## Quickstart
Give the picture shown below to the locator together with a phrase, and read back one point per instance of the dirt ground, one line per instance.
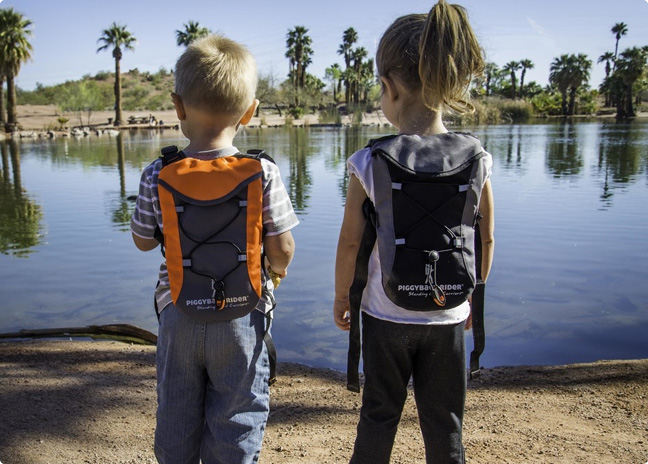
(94, 402)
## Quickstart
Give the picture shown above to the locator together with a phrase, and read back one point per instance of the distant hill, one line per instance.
(140, 91)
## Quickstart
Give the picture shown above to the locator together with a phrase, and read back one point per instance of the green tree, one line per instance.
(511, 67)
(524, 64)
(192, 31)
(619, 30)
(15, 49)
(349, 38)
(83, 98)
(299, 55)
(117, 37)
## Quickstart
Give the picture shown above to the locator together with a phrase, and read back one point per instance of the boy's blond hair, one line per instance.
(216, 74)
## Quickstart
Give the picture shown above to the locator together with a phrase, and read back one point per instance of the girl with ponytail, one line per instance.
(425, 63)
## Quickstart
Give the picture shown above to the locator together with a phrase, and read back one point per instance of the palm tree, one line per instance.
(569, 73)
(15, 49)
(559, 76)
(630, 67)
(619, 30)
(490, 72)
(334, 74)
(192, 31)
(525, 64)
(116, 36)
(358, 55)
(607, 58)
(511, 67)
(349, 38)
(299, 55)
(580, 68)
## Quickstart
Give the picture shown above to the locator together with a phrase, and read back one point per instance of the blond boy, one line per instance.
(213, 397)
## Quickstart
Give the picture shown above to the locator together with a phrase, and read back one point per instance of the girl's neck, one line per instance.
(421, 122)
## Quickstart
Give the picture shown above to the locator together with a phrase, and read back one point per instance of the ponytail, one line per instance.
(450, 56)
(436, 54)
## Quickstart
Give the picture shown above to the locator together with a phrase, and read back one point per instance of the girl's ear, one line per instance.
(179, 106)
(389, 88)
(249, 113)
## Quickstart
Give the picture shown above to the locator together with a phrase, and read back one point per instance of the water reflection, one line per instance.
(122, 208)
(564, 159)
(20, 216)
(621, 158)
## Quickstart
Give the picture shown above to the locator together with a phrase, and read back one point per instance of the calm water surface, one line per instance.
(568, 282)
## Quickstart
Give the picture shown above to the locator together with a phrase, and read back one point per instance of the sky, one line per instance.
(65, 32)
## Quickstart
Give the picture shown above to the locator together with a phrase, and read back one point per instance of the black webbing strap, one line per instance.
(355, 297)
(272, 350)
(478, 296)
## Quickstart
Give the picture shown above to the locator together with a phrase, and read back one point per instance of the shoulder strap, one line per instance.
(259, 154)
(171, 154)
(355, 296)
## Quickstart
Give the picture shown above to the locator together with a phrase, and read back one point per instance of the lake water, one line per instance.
(569, 280)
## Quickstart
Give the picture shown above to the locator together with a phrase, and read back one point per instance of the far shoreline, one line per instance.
(38, 121)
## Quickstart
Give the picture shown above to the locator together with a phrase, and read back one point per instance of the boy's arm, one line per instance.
(351, 231)
(144, 244)
(487, 228)
(279, 250)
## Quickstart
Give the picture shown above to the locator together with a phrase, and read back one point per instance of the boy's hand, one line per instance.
(341, 313)
(276, 276)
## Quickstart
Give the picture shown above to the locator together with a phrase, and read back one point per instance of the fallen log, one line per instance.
(119, 332)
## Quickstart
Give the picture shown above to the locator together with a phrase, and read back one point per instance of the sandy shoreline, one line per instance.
(39, 119)
(94, 402)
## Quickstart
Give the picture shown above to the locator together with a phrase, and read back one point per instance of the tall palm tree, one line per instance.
(349, 38)
(15, 49)
(511, 67)
(619, 30)
(192, 31)
(116, 37)
(524, 64)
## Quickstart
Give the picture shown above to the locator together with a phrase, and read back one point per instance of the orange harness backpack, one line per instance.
(213, 232)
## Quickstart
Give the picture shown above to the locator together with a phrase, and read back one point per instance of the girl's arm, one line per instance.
(487, 228)
(348, 243)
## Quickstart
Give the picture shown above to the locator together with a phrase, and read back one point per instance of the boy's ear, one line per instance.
(389, 88)
(179, 106)
(250, 112)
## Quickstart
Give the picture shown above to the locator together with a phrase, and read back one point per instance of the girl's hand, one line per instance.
(341, 313)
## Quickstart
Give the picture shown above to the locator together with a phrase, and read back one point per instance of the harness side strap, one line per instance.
(479, 334)
(272, 350)
(477, 308)
(355, 298)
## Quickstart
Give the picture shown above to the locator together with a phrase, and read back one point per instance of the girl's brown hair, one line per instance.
(436, 54)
